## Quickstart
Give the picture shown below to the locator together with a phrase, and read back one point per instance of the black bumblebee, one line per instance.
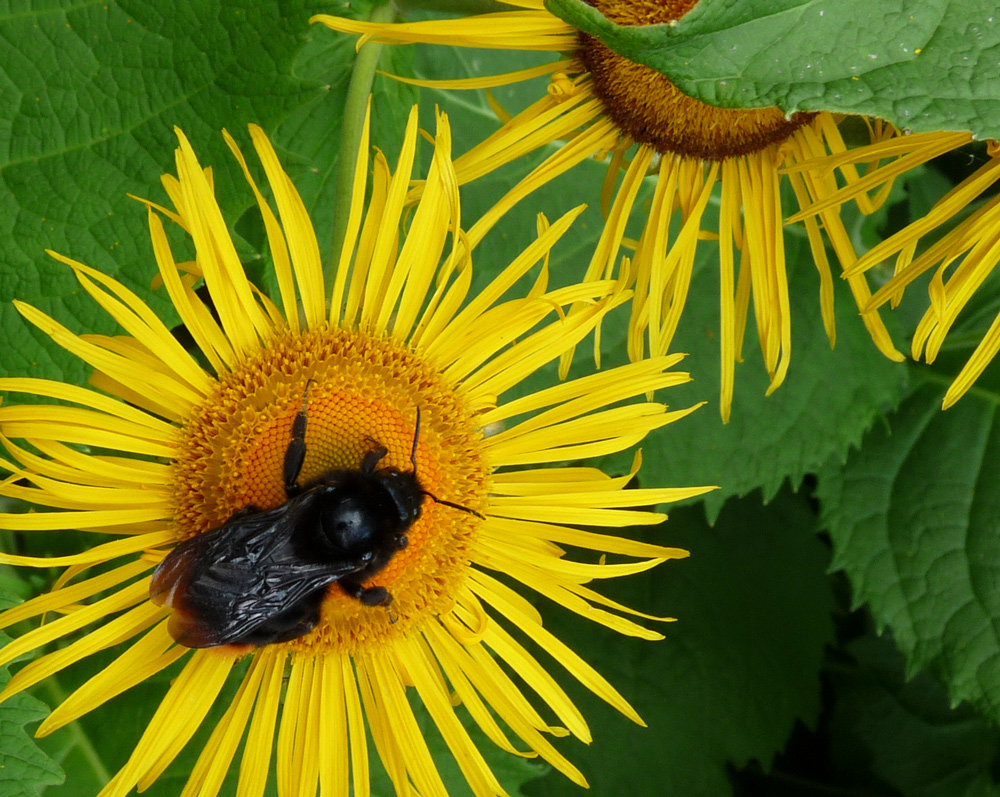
(261, 576)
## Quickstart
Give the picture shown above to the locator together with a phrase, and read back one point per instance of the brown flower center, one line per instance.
(362, 390)
(651, 110)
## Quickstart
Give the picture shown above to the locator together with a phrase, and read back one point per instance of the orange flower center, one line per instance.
(364, 392)
(646, 106)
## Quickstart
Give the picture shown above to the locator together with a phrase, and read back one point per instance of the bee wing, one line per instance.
(226, 584)
(240, 612)
(251, 537)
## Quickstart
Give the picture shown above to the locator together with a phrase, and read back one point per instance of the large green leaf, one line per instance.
(93, 92)
(924, 66)
(914, 519)
(915, 514)
(735, 672)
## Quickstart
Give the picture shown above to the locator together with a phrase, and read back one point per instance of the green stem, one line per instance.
(81, 741)
(355, 107)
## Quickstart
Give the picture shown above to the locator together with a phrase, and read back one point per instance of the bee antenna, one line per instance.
(434, 498)
(441, 501)
(416, 438)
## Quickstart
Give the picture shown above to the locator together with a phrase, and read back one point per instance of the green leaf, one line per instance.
(24, 768)
(913, 516)
(905, 732)
(925, 66)
(732, 676)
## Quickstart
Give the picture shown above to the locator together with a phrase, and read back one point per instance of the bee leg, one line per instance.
(296, 621)
(369, 596)
(372, 458)
(295, 454)
(375, 596)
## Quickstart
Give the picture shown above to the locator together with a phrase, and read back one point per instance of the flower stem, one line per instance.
(355, 108)
(77, 736)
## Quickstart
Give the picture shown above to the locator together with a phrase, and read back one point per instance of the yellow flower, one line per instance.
(599, 102)
(170, 445)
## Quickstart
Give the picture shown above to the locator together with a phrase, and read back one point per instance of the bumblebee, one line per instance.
(262, 575)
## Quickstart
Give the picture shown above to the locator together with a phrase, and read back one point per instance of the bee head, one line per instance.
(405, 492)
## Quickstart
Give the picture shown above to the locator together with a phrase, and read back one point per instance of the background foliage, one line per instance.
(838, 628)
